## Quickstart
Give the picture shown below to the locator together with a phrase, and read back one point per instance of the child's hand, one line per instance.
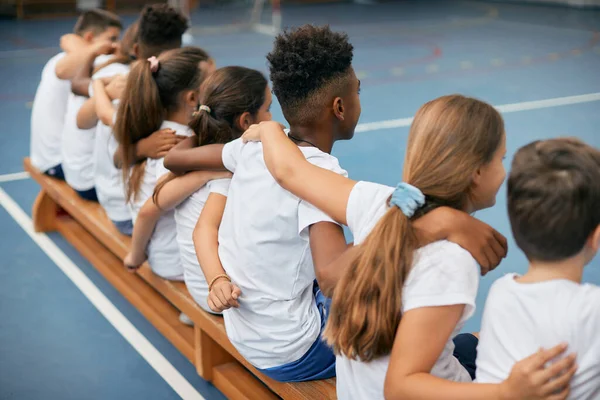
(133, 261)
(223, 296)
(104, 47)
(484, 243)
(254, 132)
(529, 378)
(158, 144)
(116, 86)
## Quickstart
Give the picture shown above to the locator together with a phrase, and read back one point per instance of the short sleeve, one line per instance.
(366, 205)
(220, 186)
(231, 154)
(309, 214)
(443, 274)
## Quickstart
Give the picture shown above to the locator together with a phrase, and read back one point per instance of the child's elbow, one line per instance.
(169, 163)
(283, 175)
(326, 283)
(149, 211)
(393, 388)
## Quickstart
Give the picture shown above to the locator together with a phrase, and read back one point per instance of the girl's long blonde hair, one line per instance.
(450, 138)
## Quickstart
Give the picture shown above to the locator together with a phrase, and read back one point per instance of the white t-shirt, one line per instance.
(443, 274)
(262, 251)
(163, 251)
(519, 318)
(186, 217)
(78, 144)
(108, 180)
(48, 116)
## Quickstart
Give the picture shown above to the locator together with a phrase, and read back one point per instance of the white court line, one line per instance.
(17, 176)
(506, 108)
(28, 52)
(138, 341)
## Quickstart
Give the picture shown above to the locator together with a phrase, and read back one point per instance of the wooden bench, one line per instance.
(85, 225)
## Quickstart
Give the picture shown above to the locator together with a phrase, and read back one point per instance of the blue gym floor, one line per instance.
(55, 344)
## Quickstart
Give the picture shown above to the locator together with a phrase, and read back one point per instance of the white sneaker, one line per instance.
(184, 319)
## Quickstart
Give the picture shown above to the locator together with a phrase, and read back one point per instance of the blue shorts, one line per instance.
(125, 227)
(465, 351)
(56, 172)
(319, 360)
(89, 194)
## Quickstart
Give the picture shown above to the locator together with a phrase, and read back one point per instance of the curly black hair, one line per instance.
(305, 60)
(161, 26)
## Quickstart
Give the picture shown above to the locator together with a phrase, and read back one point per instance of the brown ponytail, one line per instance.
(228, 93)
(449, 139)
(148, 96)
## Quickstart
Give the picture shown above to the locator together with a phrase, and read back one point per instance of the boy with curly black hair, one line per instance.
(161, 28)
(268, 238)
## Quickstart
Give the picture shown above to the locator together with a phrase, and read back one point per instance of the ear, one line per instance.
(245, 120)
(136, 50)
(88, 36)
(594, 239)
(191, 99)
(338, 108)
(477, 176)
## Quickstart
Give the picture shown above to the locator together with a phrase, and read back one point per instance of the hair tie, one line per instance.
(204, 108)
(407, 198)
(153, 64)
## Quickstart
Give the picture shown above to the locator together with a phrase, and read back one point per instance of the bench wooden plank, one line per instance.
(238, 384)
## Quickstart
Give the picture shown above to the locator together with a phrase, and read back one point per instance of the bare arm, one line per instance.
(142, 232)
(330, 192)
(224, 294)
(187, 157)
(322, 188)
(72, 42)
(177, 190)
(105, 110)
(327, 245)
(408, 374)
(154, 146)
(86, 117)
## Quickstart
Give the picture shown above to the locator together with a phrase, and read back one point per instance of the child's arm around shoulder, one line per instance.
(186, 156)
(325, 189)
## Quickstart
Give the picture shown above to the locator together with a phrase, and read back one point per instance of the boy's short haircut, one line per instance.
(309, 65)
(96, 21)
(161, 28)
(554, 197)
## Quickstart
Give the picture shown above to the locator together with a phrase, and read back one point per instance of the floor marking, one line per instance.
(553, 56)
(527, 60)
(397, 71)
(497, 62)
(432, 68)
(17, 176)
(135, 338)
(506, 108)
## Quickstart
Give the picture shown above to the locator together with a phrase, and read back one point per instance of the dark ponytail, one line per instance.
(148, 96)
(228, 93)
(224, 96)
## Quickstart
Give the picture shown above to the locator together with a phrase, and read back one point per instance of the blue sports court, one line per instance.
(66, 333)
